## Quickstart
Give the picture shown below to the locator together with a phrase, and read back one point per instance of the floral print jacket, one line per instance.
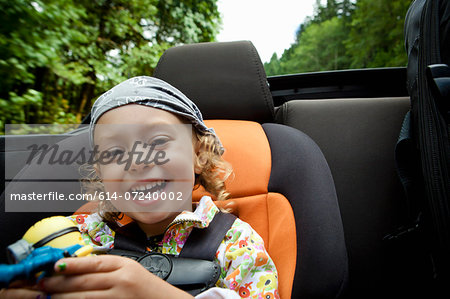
(247, 269)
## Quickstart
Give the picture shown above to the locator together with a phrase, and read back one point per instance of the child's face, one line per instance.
(147, 166)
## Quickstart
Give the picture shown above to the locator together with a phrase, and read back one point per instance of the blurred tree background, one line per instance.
(344, 34)
(57, 56)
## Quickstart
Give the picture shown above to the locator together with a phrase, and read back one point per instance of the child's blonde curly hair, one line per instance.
(208, 158)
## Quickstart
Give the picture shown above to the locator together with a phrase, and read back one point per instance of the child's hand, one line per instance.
(21, 289)
(106, 276)
(12, 293)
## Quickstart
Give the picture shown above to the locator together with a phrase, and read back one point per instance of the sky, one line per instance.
(270, 25)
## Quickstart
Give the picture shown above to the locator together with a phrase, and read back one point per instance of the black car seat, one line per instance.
(279, 171)
(358, 138)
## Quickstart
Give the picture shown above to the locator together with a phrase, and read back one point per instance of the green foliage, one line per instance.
(320, 48)
(343, 34)
(331, 9)
(376, 36)
(57, 56)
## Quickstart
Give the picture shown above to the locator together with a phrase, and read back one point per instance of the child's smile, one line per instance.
(148, 186)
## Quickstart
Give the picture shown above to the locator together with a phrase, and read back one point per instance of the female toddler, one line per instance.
(153, 149)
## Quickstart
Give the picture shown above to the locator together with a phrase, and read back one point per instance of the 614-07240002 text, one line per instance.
(136, 195)
(56, 196)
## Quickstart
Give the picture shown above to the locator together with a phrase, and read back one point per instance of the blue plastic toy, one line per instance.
(40, 259)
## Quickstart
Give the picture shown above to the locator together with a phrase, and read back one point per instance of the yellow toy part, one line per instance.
(60, 231)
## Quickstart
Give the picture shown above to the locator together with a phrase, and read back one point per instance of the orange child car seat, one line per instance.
(282, 184)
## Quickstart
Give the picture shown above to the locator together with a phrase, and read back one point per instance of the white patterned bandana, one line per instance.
(153, 92)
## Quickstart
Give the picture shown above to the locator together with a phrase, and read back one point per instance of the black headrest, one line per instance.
(226, 80)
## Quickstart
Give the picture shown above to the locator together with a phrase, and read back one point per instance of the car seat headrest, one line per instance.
(248, 151)
(226, 80)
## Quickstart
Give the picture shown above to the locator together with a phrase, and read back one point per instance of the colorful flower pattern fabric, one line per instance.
(94, 231)
(246, 267)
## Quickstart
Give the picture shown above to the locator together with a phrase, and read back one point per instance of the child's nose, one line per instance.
(138, 166)
(140, 159)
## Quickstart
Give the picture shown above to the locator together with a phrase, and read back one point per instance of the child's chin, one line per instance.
(152, 217)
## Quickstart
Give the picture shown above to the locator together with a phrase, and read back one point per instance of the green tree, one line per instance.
(273, 67)
(28, 50)
(343, 34)
(325, 12)
(56, 56)
(376, 36)
(319, 41)
(319, 48)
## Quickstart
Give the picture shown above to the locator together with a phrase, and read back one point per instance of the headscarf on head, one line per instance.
(152, 92)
